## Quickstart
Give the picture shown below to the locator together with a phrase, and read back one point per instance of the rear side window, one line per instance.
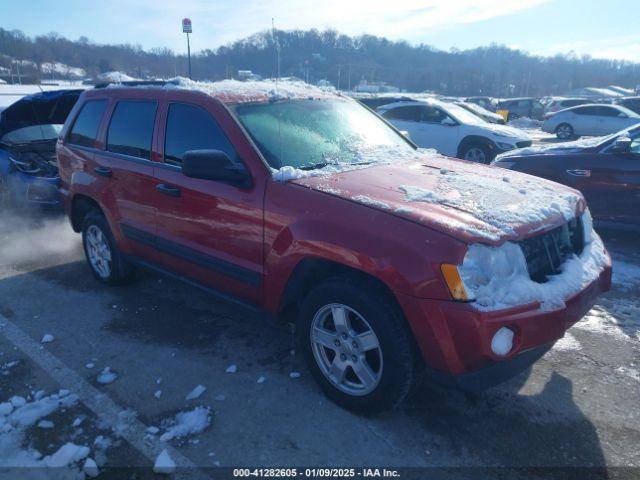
(131, 128)
(85, 128)
(193, 128)
(408, 113)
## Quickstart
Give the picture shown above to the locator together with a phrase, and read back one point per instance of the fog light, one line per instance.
(502, 341)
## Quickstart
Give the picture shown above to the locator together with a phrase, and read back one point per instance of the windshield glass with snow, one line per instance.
(464, 116)
(310, 134)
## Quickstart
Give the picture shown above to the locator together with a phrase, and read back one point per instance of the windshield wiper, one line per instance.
(313, 166)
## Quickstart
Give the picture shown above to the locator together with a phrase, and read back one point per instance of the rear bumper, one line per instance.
(455, 338)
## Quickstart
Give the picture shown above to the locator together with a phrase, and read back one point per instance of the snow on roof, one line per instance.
(235, 91)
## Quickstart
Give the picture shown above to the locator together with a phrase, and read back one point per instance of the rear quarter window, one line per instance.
(131, 128)
(85, 127)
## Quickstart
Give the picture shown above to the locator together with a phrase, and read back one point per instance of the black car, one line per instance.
(632, 103)
(605, 169)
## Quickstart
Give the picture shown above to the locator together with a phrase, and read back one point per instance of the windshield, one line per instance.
(33, 133)
(462, 115)
(630, 113)
(310, 134)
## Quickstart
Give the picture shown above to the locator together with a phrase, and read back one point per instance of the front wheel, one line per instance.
(564, 131)
(476, 152)
(357, 345)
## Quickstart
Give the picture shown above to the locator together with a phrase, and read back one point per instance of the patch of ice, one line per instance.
(89, 365)
(220, 398)
(187, 423)
(45, 424)
(67, 454)
(47, 338)
(107, 376)
(261, 379)
(157, 394)
(152, 430)
(164, 464)
(90, 468)
(371, 202)
(232, 369)
(567, 343)
(77, 422)
(196, 392)
(294, 375)
(625, 275)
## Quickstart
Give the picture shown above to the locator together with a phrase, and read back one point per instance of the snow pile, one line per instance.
(187, 423)
(555, 148)
(371, 202)
(164, 464)
(107, 376)
(497, 277)
(525, 122)
(115, 77)
(196, 392)
(17, 415)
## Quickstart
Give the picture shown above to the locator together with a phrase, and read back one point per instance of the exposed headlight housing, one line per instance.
(587, 226)
(483, 264)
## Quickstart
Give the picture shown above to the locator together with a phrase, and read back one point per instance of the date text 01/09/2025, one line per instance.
(316, 472)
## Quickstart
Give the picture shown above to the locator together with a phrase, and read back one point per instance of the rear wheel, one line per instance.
(476, 152)
(357, 345)
(106, 262)
(564, 131)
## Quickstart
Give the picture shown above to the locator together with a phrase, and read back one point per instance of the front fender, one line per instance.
(403, 255)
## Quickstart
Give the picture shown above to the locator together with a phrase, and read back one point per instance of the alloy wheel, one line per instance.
(98, 251)
(475, 154)
(346, 349)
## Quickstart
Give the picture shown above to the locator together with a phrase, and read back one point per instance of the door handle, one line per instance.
(579, 173)
(103, 171)
(168, 190)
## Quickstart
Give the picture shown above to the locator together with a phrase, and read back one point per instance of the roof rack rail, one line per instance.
(136, 83)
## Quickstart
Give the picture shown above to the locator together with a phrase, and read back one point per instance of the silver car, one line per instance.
(589, 120)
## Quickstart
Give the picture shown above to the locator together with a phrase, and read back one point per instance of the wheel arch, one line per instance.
(81, 205)
(471, 139)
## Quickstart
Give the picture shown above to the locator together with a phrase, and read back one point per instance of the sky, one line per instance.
(600, 28)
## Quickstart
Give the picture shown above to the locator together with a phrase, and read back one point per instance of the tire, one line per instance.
(476, 152)
(564, 131)
(102, 253)
(389, 369)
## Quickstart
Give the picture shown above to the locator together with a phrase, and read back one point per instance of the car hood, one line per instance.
(505, 131)
(46, 108)
(586, 145)
(471, 202)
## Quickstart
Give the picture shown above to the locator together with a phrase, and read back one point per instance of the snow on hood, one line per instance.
(467, 200)
(505, 131)
(555, 148)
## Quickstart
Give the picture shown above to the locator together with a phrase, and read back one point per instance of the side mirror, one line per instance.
(449, 122)
(214, 165)
(621, 144)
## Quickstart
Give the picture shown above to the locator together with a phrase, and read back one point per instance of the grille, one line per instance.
(546, 253)
(523, 144)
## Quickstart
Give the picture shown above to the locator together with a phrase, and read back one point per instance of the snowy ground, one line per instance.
(159, 374)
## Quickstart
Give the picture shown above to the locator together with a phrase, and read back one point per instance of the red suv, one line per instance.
(391, 261)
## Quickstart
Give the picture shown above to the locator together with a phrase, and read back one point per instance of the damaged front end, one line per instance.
(29, 175)
(28, 132)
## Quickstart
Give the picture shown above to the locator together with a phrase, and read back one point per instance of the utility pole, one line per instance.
(187, 28)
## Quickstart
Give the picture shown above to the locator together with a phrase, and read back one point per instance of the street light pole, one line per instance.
(189, 55)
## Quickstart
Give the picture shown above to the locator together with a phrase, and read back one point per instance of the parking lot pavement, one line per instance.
(578, 406)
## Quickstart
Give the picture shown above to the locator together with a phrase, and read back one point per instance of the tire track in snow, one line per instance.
(98, 402)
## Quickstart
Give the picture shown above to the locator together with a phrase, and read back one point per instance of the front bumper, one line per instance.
(32, 191)
(455, 338)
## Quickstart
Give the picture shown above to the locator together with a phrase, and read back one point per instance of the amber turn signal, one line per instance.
(454, 282)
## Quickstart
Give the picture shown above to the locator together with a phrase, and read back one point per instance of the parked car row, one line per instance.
(391, 262)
